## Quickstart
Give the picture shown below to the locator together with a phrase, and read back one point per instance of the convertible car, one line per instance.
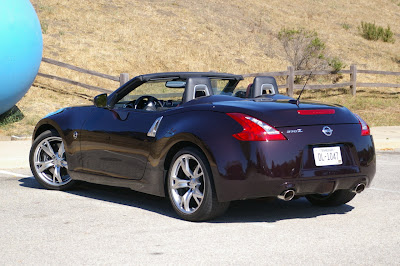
(203, 140)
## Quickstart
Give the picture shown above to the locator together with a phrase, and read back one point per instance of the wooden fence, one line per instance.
(353, 84)
(289, 74)
(122, 79)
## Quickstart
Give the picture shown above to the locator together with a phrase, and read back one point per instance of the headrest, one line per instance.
(263, 85)
(197, 87)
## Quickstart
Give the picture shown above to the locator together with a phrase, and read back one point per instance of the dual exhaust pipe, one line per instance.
(359, 188)
(287, 195)
(290, 193)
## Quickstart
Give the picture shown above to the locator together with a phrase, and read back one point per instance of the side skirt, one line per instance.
(152, 183)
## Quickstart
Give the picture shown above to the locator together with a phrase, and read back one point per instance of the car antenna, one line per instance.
(298, 98)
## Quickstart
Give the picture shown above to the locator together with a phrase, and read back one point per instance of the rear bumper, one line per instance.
(266, 169)
(329, 185)
(248, 190)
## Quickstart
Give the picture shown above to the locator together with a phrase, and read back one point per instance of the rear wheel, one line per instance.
(48, 161)
(190, 187)
(336, 198)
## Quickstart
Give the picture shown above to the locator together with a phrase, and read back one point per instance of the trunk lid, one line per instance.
(283, 113)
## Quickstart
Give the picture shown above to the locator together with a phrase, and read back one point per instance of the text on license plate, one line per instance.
(327, 156)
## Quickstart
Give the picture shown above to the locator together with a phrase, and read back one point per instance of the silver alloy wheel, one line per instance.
(50, 162)
(187, 183)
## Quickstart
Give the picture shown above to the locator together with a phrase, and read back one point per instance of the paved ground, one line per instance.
(386, 138)
(100, 225)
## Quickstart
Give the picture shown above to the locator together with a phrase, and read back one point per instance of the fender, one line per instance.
(66, 121)
(188, 129)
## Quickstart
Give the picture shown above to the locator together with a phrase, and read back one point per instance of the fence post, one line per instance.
(290, 81)
(123, 78)
(353, 79)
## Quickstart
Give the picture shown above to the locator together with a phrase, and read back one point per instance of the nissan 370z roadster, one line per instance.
(203, 141)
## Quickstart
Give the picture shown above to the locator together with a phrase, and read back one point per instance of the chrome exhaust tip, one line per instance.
(287, 195)
(359, 188)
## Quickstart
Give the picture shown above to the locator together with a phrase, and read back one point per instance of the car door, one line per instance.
(114, 142)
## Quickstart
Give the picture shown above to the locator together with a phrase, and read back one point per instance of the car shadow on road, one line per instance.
(247, 211)
(273, 210)
(118, 195)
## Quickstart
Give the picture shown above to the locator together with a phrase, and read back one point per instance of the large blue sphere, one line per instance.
(21, 47)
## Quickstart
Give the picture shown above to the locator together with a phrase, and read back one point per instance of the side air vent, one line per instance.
(153, 129)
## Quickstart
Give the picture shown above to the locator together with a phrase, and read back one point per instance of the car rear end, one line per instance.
(304, 150)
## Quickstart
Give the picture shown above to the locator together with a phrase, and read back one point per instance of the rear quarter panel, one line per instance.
(210, 131)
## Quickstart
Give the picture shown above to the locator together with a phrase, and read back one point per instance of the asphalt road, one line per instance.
(100, 225)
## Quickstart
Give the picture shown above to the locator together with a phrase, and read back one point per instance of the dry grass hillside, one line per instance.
(138, 36)
(114, 36)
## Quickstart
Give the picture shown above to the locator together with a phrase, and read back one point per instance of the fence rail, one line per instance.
(353, 84)
(122, 79)
(290, 75)
(82, 70)
(90, 87)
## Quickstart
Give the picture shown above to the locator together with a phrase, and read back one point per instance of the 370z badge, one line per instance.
(299, 130)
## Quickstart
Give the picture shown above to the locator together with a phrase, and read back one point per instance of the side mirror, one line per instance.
(100, 100)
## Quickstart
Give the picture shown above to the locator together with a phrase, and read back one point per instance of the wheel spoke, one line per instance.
(186, 200)
(56, 175)
(44, 165)
(179, 183)
(64, 164)
(185, 167)
(46, 147)
(197, 196)
(196, 200)
(197, 172)
(197, 193)
(61, 150)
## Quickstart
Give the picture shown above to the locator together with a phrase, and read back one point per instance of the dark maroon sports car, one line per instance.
(203, 140)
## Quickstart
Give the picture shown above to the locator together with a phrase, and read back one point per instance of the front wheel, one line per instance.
(190, 189)
(48, 161)
(336, 198)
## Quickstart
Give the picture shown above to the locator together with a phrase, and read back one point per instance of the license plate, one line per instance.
(327, 156)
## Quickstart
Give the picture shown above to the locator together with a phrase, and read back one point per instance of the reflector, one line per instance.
(316, 112)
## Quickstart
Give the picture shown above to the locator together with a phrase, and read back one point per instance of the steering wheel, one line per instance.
(148, 103)
(130, 104)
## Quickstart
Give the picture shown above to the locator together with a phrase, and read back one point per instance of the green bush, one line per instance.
(336, 64)
(11, 116)
(387, 35)
(44, 25)
(372, 32)
(346, 26)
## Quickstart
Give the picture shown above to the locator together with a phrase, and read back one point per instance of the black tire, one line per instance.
(49, 164)
(336, 198)
(192, 193)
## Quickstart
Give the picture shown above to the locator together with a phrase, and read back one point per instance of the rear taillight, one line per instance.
(364, 127)
(254, 129)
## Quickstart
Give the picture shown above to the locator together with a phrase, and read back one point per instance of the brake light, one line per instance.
(254, 129)
(364, 126)
(316, 112)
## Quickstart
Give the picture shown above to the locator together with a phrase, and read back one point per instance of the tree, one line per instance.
(303, 48)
